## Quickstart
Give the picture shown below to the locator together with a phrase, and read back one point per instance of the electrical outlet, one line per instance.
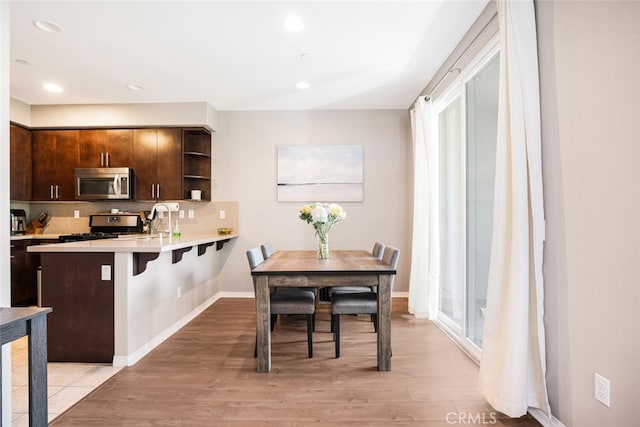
(76, 213)
(603, 390)
(192, 214)
(179, 292)
(105, 272)
(223, 214)
(181, 214)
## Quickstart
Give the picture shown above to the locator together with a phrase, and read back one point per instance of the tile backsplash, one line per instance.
(206, 214)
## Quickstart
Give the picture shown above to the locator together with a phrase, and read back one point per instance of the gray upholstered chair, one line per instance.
(293, 302)
(359, 303)
(378, 250)
(267, 251)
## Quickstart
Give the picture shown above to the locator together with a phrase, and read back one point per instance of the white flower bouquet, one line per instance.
(322, 216)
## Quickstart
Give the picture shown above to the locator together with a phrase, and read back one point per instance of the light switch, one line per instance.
(223, 214)
(106, 272)
(181, 214)
(192, 214)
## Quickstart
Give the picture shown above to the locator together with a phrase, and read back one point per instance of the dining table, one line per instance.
(302, 268)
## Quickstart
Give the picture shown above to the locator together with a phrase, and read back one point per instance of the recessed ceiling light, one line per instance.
(52, 87)
(22, 61)
(303, 85)
(48, 26)
(134, 86)
(293, 24)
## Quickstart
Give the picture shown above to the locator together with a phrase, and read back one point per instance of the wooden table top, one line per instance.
(9, 315)
(305, 262)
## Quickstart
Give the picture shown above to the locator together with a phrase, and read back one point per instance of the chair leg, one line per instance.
(310, 335)
(313, 318)
(374, 318)
(274, 317)
(334, 338)
(336, 333)
(255, 347)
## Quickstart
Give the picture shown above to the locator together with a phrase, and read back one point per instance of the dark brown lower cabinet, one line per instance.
(23, 275)
(80, 328)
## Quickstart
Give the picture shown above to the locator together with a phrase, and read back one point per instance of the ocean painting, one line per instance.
(320, 173)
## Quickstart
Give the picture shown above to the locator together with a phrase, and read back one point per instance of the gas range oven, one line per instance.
(108, 226)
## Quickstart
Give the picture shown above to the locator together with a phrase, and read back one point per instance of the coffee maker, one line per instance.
(18, 221)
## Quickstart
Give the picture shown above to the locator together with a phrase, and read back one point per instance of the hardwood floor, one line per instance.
(205, 375)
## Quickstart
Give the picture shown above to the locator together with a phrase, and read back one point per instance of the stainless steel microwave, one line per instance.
(104, 183)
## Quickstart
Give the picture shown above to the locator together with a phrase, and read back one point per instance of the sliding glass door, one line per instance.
(482, 119)
(466, 126)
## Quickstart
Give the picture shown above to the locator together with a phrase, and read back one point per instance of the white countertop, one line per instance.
(133, 243)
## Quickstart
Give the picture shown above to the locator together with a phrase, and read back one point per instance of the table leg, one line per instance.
(384, 322)
(263, 314)
(38, 371)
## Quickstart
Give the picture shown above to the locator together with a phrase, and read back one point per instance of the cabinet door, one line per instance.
(144, 163)
(20, 163)
(120, 148)
(82, 328)
(55, 157)
(169, 171)
(43, 153)
(67, 146)
(92, 148)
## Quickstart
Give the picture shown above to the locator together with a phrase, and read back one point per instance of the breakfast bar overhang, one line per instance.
(148, 287)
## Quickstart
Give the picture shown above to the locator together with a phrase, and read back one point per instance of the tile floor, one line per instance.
(67, 383)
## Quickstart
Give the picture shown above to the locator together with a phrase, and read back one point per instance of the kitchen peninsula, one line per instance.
(114, 300)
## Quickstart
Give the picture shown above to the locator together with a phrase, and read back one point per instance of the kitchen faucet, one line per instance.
(166, 206)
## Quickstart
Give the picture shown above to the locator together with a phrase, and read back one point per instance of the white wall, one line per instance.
(244, 169)
(590, 86)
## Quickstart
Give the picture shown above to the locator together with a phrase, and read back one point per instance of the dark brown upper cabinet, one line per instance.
(157, 164)
(55, 156)
(20, 163)
(106, 148)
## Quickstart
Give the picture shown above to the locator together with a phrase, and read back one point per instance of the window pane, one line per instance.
(482, 120)
(451, 213)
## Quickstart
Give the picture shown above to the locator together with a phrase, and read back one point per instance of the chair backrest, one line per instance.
(378, 250)
(390, 256)
(267, 250)
(255, 258)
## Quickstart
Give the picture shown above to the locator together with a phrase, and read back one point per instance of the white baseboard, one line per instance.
(544, 419)
(233, 294)
(133, 358)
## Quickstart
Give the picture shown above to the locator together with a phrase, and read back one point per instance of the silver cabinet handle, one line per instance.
(108, 159)
(101, 159)
(51, 191)
(158, 195)
(57, 192)
(12, 256)
(153, 191)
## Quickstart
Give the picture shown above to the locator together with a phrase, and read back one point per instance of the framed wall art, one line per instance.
(320, 173)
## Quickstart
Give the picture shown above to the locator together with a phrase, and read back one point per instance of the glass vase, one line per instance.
(323, 246)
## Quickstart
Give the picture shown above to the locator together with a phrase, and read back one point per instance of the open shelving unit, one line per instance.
(196, 167)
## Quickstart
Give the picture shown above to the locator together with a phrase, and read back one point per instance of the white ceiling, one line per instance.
(235, 54)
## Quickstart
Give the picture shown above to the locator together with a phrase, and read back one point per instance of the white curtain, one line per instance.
(425, 248)
(512, 369)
